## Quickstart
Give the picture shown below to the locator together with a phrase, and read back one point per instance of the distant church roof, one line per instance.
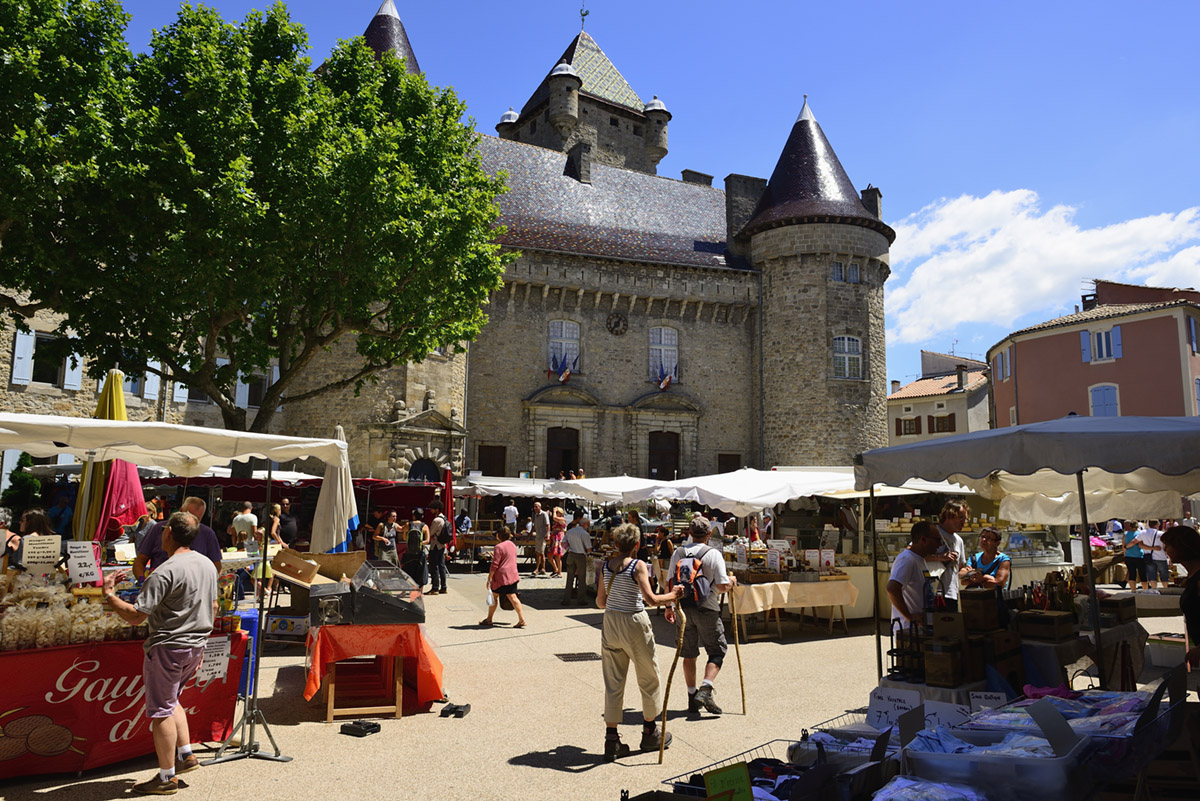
(621, 214)
(600, 78)
(386, 32)
(810, 185)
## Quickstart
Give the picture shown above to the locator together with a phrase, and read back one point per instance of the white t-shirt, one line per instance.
(909, 570)
(510, 515)
(712, 565)
(1153, 536)
(244, 524)
(578, 540)
(949, 578)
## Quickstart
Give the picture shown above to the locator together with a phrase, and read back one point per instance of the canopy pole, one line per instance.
(1093, 601)
(78, 531)
(874, 580)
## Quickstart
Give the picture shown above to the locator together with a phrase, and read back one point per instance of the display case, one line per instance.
(383, 593)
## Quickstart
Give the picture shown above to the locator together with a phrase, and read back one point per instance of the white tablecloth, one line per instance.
(751, 598)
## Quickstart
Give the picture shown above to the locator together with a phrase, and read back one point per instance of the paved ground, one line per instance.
(535, 729)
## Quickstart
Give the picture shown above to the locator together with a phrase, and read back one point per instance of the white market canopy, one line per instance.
(1135, 467)
(182, 450)
(513, 487)
(610, 489)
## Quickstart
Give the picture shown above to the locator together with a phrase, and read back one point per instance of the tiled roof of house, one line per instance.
(810, 185)
(386, 32)
(600, 77)
(621, 214)
(939, 385)
(1099, 313)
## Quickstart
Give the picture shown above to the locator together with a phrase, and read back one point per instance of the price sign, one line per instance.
(215, 663)
(740, 551)
(41, 553)
(773, 560)
(82, 563)
(782, 545)
(939, 713)
(887, 705)
(827, 558)
(813, 557)
(732, 782)
(916, 512)
(908, 515)
(983, 700)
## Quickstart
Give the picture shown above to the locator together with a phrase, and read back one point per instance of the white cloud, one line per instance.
(995, 259)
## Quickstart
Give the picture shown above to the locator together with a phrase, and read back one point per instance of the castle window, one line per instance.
(533, 127)
(847, 357)
(839, 274)
(852, 275)
(564, 346)
(637, 130)
(664, 353)
(613, 122)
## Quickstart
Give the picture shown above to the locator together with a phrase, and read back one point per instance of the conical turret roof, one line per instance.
(600, 77)
(810, 185)
(386, 32)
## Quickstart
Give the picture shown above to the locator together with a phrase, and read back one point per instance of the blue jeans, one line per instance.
(437, 568)
(1157, 569)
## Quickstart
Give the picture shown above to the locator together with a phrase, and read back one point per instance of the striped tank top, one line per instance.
(625, 595)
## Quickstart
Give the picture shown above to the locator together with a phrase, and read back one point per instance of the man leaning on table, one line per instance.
(906, 584)
(152, 553)
(177, 603)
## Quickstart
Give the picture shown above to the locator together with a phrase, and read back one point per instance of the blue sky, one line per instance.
(1022, 148)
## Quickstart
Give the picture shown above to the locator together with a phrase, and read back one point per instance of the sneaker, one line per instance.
(650, 739)
(156, 786)
(187, 765)
(704, 698)
(614, 749)
(693, 705)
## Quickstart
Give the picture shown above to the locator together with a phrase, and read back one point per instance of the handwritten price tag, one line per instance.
(984, 700)
(41, 553)
(215, 663)
(887, 705)
(82, 563)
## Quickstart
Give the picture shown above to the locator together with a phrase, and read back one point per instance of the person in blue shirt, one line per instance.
(988, 568)
(60, 516)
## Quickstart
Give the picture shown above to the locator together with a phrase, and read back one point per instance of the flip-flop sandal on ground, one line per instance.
(486, 623)
(519, 626)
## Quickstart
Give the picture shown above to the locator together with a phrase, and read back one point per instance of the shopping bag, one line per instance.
(491, 599)
(506, 602)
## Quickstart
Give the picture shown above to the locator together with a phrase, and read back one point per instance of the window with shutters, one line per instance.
(910, 426)
(1002, 365)
(1012, 415)
(256, 390)
(1104, 400)
(852, 274)
(133, 385)
(664, 353)
(1100, 345)
(943, 424)
(47, 368)
(197, 395)
(847, 357)
(564, 346)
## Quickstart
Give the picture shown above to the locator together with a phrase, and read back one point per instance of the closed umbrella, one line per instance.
(448, 511)
(336, 517)
(90, 521)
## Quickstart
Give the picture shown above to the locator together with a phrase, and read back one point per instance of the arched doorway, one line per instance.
(562, 451)
(425, 470)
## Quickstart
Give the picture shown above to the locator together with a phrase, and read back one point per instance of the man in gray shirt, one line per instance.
(541, 534)
(177, 603)
(579, 547)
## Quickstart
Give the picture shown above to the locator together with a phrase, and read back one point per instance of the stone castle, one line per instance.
(652, 327)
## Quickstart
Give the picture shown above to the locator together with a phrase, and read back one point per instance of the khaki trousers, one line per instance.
(628, 637)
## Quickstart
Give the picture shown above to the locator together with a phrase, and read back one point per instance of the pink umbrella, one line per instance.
(123, 503)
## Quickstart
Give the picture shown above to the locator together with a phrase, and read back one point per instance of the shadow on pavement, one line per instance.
(565, 758)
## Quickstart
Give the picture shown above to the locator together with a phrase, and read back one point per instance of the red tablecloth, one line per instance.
(422, 668)
(77, 707)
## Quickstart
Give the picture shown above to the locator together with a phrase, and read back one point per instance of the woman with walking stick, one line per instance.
(628, 636)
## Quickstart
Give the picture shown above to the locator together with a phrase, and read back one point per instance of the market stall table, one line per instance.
(413, 662)
(83, 706)
(772, 596)
(1124, 648)
(950, 695)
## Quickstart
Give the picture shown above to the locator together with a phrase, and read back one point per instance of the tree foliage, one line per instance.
(258, 211)
(24, 490)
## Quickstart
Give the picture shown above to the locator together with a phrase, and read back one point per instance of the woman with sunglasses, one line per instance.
(989, 569)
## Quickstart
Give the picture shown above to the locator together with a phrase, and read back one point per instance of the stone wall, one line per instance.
(612, 399)
(621, 145)
(809, 416)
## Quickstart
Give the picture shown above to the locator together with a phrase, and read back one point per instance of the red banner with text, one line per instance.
(77, 707)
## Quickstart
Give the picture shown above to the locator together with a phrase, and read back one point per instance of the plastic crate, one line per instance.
(775, 749)
(1006, 777)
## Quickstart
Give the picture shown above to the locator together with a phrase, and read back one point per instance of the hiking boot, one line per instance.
(156, 786)
(614, 749)
(704, 698)
(693, 705)
(650, 739)
(187, 765)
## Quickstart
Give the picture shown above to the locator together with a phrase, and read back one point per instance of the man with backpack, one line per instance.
(700, 570)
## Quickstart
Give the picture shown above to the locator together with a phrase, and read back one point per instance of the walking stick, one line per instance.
(662, 737)
(737, 648)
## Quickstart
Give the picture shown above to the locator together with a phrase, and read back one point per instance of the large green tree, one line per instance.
(259, 211)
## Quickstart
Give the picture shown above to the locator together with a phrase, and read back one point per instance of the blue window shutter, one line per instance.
(151, 384)
(241, 394)
(1192, 333)
(1085, 344)
(22, 370)
(1198, 396)
(1008, 361)
(180, 393)
(73, 376)
(1116, 341)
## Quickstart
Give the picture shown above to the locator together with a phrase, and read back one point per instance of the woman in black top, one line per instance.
(1182, 545)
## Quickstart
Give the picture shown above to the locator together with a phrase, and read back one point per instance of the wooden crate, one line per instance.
(1036, 624)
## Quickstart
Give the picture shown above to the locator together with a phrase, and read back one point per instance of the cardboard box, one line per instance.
(1036, 624)
(328, 567)
(292, 567)
(949, 626)
(944, 664)
(287, 625)
(1123, 607)
(1000, 644)
(980, 609)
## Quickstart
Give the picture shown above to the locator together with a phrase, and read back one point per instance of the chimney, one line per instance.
(962, 376)
(579, 162)
(895, 386)
(872, 200)
(742, 193)
(693, 177)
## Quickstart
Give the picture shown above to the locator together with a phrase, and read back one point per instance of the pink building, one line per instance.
(1131, 350)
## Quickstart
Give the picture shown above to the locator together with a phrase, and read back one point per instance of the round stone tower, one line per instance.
(823, 254)
(657, 118)
(564, 85)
